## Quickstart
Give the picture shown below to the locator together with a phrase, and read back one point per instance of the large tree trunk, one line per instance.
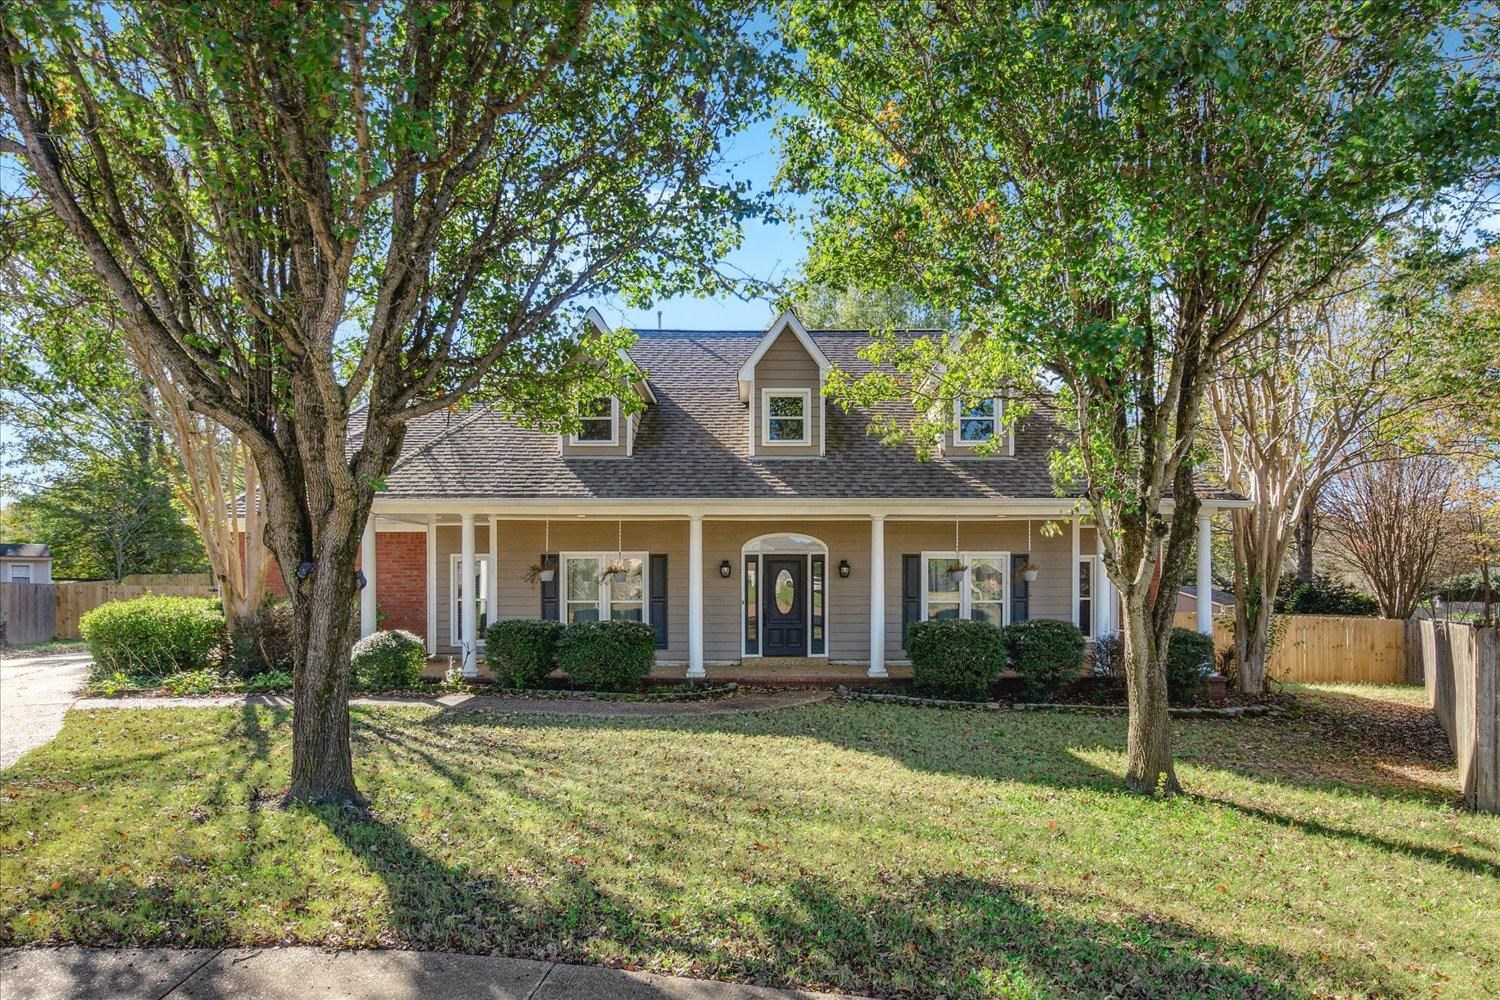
(1148, 741)
(323, 609)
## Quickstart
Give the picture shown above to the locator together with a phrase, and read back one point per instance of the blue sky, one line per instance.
(770, 253)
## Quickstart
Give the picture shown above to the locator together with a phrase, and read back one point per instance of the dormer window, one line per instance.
(786, 416)
(978, 421)
(598, 421)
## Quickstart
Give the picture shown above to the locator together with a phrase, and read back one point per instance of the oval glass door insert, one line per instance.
(785, 591)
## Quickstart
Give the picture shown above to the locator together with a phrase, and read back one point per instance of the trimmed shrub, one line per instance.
(154, 636)
(263, 643)
(613, 655)
(955, 658)
(523, 651)
(388, 661)
(1048, 654)
(1187, 653)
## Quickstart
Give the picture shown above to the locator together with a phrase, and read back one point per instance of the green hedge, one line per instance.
(613, 655)
(388, 661)
(153, 636)
(264, 642)
(955, 658)
(523, 651)
(1187, 651)
(1048, 654)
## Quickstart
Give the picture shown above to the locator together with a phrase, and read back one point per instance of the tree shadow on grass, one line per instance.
(934, 936)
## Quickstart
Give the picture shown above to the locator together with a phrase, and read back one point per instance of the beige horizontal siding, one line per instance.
(787, 365)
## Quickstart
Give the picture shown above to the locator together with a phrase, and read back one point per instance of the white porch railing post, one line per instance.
(695, 595)
(492, 573)
(467, 602)
(367, 566)
(877, 596)
(1205, 573)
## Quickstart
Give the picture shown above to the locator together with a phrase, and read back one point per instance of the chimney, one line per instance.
(658, 319)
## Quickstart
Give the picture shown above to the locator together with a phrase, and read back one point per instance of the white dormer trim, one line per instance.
(786, 321)
(641, 386)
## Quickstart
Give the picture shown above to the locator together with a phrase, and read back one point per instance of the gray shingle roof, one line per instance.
(24, 550)
(694, 443)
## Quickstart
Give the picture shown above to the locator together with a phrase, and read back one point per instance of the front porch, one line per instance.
(748, 596)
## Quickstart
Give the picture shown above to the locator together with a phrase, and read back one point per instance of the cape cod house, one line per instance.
(738, 511)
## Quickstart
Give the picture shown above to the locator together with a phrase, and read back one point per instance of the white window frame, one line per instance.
(766, 395)
(481, 569)
(1092, 631)
(606, 585)
(614, 429)
(965, 595)
(18, 567)
(1009, 443)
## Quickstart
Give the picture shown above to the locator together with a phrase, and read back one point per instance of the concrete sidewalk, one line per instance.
(249, 973)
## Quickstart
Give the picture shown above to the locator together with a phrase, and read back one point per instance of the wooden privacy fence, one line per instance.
(75, 599)
(1330, 648)
(1461, 666)
(28, 613)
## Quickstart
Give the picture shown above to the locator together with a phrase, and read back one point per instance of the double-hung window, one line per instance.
(787, 416)
(965, 585)
(977, 422)
(598, 421)
(1086, 566)
(481, 592)
(20, 573)
(601, 585)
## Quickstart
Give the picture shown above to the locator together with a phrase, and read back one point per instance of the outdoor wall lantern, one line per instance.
(843, 569)
(724, 569)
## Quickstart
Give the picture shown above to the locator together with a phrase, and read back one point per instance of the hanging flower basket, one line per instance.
(616, 570)
(956, 571)
(1029, 572)
(544, 571)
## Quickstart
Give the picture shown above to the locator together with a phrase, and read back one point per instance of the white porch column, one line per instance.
(431, 584)
(367, 566)
(695, 595)
(1073, 566)
(1106, 597)
(468, 634)
(1205, 573)
(492, 575)
(877, 596)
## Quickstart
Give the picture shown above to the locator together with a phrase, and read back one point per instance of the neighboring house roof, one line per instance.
(1217, 596)
(694, 443)
(24, 550)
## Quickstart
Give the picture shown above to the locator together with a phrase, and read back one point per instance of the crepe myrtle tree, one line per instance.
(1114, 194)
(322, 221)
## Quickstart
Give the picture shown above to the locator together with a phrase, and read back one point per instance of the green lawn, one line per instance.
(854, 847)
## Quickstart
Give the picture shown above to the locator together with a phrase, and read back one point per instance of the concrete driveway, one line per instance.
(35, 693)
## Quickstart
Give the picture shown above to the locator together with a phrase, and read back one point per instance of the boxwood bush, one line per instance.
(955, 658)
(1187, 652)
(1048, 654)
(523, 651)
(388, 661)
(154, 636)
(612, 655)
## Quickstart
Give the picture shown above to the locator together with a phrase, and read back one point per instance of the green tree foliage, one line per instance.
(1116, 194)
(307, 209)
(824, 307)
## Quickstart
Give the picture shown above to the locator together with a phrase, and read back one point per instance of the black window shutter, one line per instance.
(1020, 590)
(911, 592)
(549, 587)
(658, 576)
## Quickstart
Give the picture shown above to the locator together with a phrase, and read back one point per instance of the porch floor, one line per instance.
(785, 671)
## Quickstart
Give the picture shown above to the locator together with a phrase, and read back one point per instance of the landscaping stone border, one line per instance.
(1181, 712)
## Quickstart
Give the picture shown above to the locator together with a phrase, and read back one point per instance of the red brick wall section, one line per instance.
(400, 580)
